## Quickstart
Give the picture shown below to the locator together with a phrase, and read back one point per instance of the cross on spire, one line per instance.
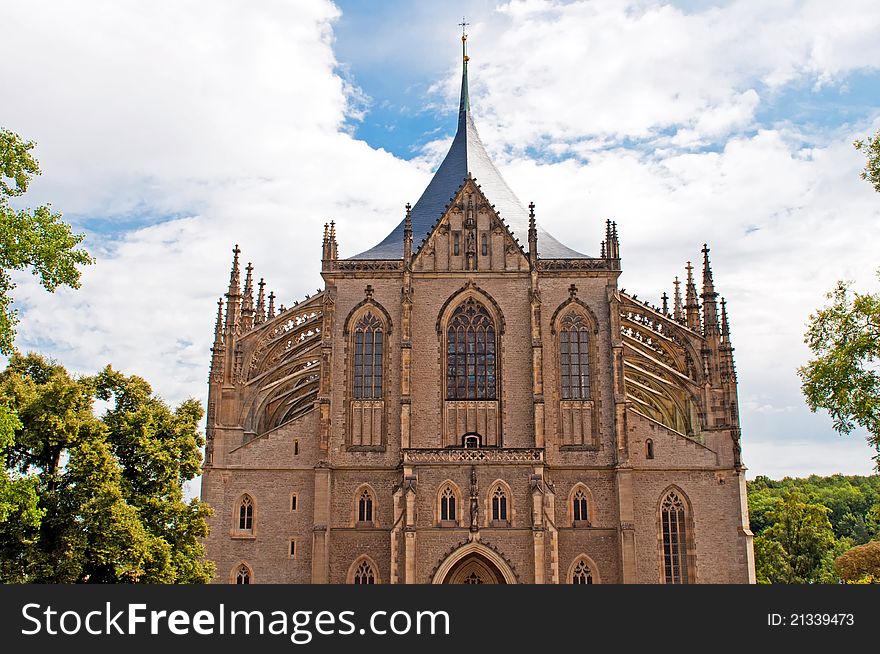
(463, 24)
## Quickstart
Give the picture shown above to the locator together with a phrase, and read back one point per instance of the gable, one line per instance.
(470, 235)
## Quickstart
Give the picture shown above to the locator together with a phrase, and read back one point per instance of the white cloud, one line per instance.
(231, 117)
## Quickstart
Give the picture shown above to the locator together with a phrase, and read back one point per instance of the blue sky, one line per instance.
(731, 123)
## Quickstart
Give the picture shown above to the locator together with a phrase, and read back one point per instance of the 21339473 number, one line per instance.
(810, 619)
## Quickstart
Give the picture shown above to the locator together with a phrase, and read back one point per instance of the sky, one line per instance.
(167, 132)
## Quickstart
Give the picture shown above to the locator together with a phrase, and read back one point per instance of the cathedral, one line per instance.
(473, 402)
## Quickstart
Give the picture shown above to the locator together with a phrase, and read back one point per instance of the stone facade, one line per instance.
(474, 412)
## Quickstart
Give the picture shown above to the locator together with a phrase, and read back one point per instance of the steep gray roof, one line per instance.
(467, 155)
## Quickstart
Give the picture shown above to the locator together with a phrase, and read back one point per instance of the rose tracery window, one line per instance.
(368, 348)
(470, 353)
(582, 574)
(364, 574)
(574, 361)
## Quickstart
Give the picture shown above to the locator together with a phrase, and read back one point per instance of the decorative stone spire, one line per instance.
(407, 237)
(692, 304)
(247, 303)
(676, 310)
(533, 238)
(728, 368)
(218, 326)
(610, 246)
(271, 305)
(665, 300)
(725, 328)
(710, 309)
(233, 295)
(260, 316)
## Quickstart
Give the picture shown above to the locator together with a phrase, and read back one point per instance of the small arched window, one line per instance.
(243, 575)
(499, 505)
(582, 573)
(246, 514)
(365, 506)
(364, 574)
(674, 535)
(293, 502)
(484, 245)
(574, 357)
(470, 353)
(580, 507)
(649, 449)
(471, 441)
(368, 348)
(447, 505)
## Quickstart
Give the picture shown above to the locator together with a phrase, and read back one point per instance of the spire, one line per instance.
(692, 304)
(725, 328)
(467, 156)
(271, 305)
(533, 237)
(610, 246)
(464, 104)
(665, 300)
(710, 310)
(407, 237)
(728, 368)
(233, 295)
(247, 304)
(676, 311)
(260, 316)
(218, 326)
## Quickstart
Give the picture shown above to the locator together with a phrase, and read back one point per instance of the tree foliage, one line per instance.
(109, 488)
(860, 565)
(844, 376)
(871, 149)
(30, 239)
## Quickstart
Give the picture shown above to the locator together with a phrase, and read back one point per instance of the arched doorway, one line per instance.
(474, 569)
(474, 563)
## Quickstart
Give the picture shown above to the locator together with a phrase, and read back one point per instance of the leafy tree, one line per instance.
(30, 239)
(110, 487)
(861, 564)
(798, 546)
(871, 149)
(844, 378)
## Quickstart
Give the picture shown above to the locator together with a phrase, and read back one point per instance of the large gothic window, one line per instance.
(364, 574)
(470, 353)
(246, 514)
(368, 347)
(674, 534)
(574, 357)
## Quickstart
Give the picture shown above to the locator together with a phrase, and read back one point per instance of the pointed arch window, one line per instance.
(499, 505)
(470, 353)
(447, 505)
(365, 507)
(574, 357)
(580, 507)
(246, 514)
(368, 349)
(582, 573)
(243, 575)
(364, 574)
(673, 527)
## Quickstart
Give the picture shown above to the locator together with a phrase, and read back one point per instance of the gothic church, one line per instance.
(471, 401)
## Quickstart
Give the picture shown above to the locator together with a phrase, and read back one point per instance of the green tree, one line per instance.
(30, 239)
(844, 377)
(871, 149)
(798, 547)
(861, 564)
(109, 487)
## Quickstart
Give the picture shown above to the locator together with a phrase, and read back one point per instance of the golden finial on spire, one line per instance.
(464, 36)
